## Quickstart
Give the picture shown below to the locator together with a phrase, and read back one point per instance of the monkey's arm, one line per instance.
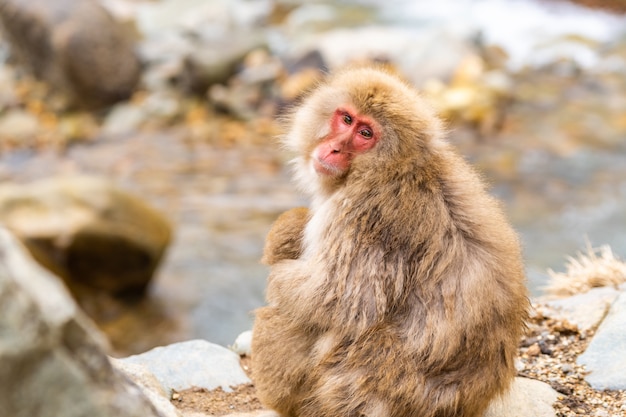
(303, 290)
(284, 241)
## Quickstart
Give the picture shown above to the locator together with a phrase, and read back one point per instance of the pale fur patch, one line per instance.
(376, 408)
(314, 231)
(346, 385)
(324, 345)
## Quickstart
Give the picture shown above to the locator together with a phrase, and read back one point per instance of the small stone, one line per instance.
(533, 350)
(19, 127)
(123, 119)
(242, 345)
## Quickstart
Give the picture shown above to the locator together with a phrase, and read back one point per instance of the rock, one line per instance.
(18, 127)
(149, 385)
(213, 17)
(52, 357)
(586, 310)
(216, 61)
(195, 363)
(605, 357)
(419, 55)
(153, 108)
(194, 44)
(242, 343)
(123, 119)
(526, 398)
(75, 46)
(88, 231)
(252, 91)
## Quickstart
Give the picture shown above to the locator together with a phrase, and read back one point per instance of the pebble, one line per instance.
(242, 345)
(18, 126)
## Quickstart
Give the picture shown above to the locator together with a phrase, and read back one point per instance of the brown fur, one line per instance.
(408, 297)
(284, 241)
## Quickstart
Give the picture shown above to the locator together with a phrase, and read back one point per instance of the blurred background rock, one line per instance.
(173, 104)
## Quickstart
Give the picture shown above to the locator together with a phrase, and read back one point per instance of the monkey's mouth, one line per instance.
(325, 169)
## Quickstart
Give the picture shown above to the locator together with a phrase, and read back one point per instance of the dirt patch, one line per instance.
(218, 402)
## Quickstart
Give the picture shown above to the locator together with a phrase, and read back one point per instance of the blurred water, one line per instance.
(526, 29)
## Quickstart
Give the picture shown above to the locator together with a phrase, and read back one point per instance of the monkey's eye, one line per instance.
(366, 133)
(347, 119)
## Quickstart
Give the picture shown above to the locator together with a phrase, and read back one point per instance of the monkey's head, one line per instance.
(359, 121)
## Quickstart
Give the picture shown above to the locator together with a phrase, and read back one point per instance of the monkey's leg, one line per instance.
(378, 375)
(280, 361)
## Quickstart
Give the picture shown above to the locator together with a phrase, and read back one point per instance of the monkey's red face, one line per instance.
(350, 134)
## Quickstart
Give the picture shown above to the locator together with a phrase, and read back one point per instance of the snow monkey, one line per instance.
(401, 292)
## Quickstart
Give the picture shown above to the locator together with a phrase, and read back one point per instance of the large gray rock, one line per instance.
(87, 231)
(74, 45)
(195, 363)
(51, 357)
(605, 357)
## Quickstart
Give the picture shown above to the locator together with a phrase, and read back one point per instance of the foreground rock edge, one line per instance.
(51, 355)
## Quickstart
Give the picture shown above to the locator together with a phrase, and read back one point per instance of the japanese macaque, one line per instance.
(401, 292)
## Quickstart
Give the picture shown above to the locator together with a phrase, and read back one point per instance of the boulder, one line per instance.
(195, 363)
(51, 356)
(88, 231)
(75, 46)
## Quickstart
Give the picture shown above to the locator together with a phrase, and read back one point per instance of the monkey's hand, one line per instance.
(284, 241)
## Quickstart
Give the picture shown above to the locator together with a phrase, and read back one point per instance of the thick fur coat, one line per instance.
(402, 292)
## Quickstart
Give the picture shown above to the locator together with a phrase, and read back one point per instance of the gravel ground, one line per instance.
(548, 353)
